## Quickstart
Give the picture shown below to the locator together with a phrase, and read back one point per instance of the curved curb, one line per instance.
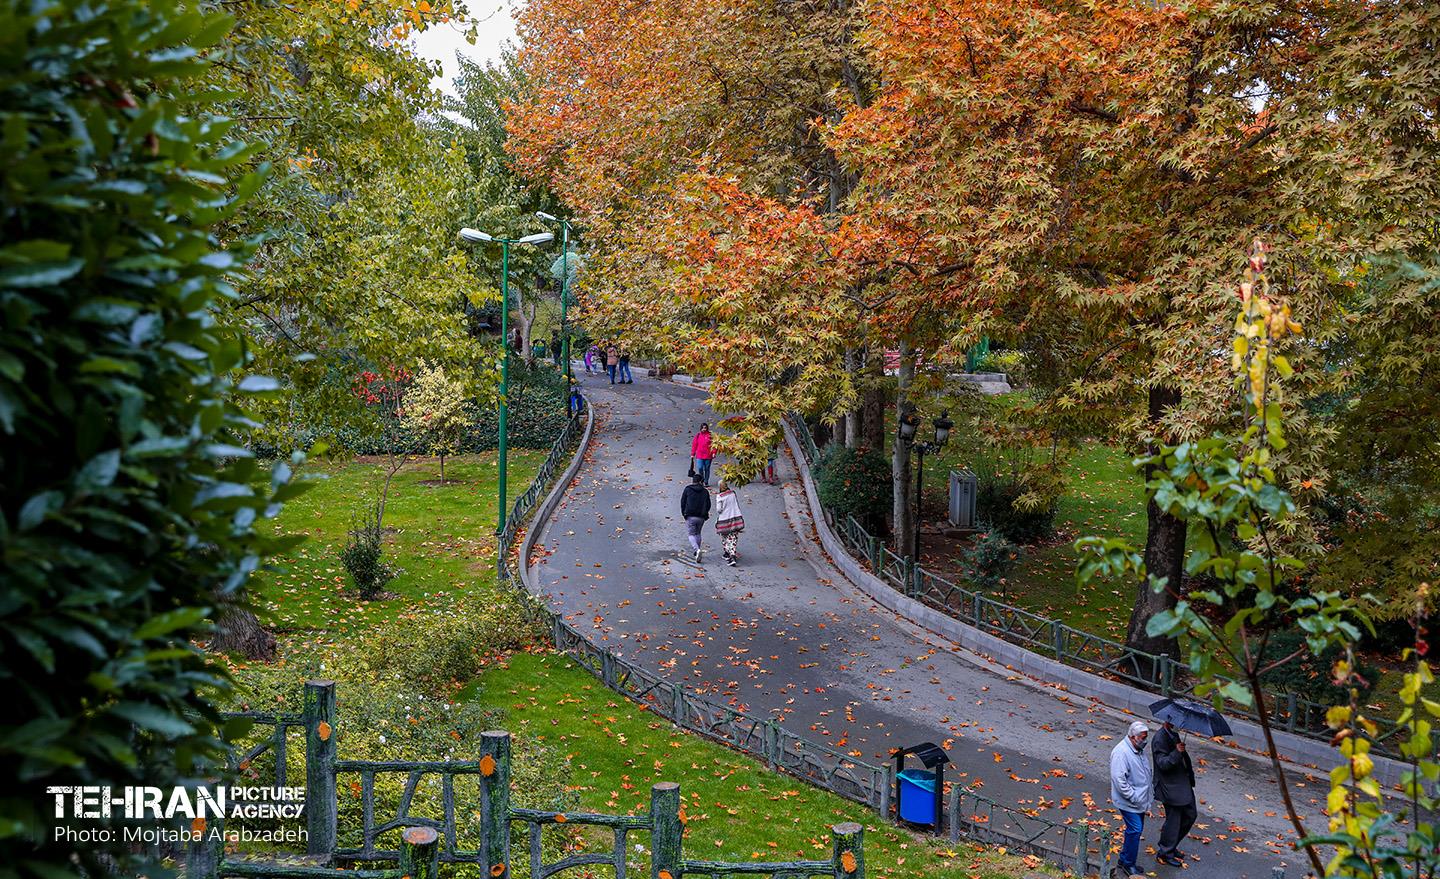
(541, 520)
(1304, 752)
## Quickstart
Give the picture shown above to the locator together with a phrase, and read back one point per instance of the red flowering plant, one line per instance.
(383, 394)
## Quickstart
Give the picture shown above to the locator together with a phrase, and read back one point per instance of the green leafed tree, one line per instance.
(128, 503)
(357, 265)
(436, 410)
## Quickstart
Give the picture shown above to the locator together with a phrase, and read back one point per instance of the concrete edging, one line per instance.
(541, 520)
(1306, 752)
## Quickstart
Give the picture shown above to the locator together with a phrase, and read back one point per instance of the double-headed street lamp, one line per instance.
(564, 295)
(909, 425)
(475, 236)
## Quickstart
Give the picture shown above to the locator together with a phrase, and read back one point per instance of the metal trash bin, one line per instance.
(920, 793)
(963, 488)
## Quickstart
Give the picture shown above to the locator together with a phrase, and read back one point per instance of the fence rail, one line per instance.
(427, 839)
(1051, 638)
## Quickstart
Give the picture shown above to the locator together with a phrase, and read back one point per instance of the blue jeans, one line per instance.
(702, 466)
(1130, 848)
(610, 368)
(625, 371)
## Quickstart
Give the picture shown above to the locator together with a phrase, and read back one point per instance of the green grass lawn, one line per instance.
(1104, 498)
(441, 537)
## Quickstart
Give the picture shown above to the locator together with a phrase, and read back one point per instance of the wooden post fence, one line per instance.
(321, 807)
(666, 831)
(495, 803)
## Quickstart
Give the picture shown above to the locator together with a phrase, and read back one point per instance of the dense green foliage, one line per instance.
(357, 262)
(988, 561)
(998, 503)
(537, 415)
(127, 502)
(854, 482)
(1310, 675)
(364, 556)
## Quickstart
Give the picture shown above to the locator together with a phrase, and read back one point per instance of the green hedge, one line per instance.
(537, 416)
(127, 504)
(854, 482)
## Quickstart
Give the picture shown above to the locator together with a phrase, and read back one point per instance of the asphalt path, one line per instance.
(784, 635)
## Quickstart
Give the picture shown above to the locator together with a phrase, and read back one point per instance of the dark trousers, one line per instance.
(1178, 821)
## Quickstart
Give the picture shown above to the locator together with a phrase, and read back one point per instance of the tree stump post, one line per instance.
(849, 850)
(203, 855)
(321, 807)
(495, 803)
(666, 831)
(420, 853)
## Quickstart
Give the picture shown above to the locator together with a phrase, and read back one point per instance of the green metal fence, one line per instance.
(1048, 637)
(419, 833)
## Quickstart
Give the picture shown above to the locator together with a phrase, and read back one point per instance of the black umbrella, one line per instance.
(1195, 717)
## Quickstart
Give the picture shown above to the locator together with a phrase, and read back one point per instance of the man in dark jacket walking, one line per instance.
(695, 507)
(1175, 787)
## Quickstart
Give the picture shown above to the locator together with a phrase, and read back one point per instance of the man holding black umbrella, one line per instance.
(1175, 787)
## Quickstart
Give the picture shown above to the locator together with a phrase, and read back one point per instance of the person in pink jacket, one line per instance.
(700, 450)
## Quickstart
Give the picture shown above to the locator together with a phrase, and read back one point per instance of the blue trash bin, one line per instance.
(917, 796)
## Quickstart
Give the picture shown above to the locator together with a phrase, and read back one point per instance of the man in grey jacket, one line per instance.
(1131, 790)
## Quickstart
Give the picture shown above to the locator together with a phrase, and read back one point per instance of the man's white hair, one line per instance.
(1137, 728)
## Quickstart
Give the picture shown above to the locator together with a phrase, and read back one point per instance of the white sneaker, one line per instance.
(697, 556)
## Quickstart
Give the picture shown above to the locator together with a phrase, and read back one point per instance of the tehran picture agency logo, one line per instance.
(204, 806)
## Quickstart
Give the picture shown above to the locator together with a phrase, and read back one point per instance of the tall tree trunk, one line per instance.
(901, 511)
(1164, 550)
(872, 420)
(852, 418)
(238, 630)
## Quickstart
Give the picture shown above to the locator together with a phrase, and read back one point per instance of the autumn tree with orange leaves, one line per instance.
(777, 184)
(1092, 170)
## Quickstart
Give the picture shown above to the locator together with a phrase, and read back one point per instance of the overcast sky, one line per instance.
(495, 26)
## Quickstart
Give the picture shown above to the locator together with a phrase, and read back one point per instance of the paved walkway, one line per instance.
(784, 635)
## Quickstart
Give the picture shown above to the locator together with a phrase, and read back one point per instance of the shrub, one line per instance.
(854, 482)
(988, 561)
(363, 557)
(1012, 363)
(128, 507)
(537, 402)
(398, 698)
(997, 501)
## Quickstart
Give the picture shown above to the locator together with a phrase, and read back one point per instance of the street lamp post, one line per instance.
(564, 297)
(909, 425)
(475, 236)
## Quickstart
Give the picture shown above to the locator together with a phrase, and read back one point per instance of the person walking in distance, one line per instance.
(728, 521)
(695, 507)
(1175, 787)
(612, 361)
(701, 451)
(591, 356)
(1131, 782)
(625, 377)
(769, 473)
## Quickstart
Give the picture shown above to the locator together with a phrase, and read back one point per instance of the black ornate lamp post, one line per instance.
(909, 426)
